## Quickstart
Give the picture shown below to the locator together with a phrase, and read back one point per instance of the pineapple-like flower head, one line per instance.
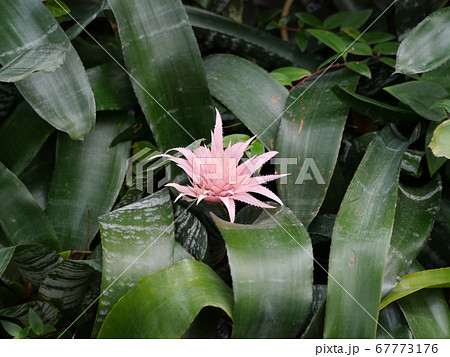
(217, 176)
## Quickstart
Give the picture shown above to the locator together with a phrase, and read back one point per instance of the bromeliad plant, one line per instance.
(359, 249)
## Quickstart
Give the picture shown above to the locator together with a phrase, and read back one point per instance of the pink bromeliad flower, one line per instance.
(216, 175)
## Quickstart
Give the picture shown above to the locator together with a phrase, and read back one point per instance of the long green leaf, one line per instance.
(216, 31)
(411, 93)
(112, 88)
(21, 218)
(426, 311)
(137, 240)
(417, 208)
(410, 283)
(427, 46)
(251, 93)
(310, 133)
(45, 58)
(5, 257)
(22, 135)
(158, 45)
(374, 109)
(165, 303)
(65, 285)
(48, 314)
(86, 180)
(34, 262)
(271, 262)
(63, 98)
(360, 241)
(393, 322)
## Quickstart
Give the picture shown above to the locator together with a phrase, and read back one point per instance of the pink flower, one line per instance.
(216, 175)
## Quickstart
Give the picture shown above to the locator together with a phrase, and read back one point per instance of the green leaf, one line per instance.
(359, 68)
(63, 98)
(293, 73)
(159, 44)
(410, 283)
(377, 37)
(282, 78)
(442, 103)
(216, 31)
(137, 240)
(249, 92)
(11, 328)
(386, 48)
(22, 135)
(302, 41)
(87, 178)
(427, 46)
(393, 323)
(5, 257)
(57, 8)
(35, 322)
(311, 131)
(47, 313)
(34, 262)
(440, 75)
(411, 163)
(271, 261)
(22, 219)
(360, 49)
(374, 109)
(165, 303)
(112, 88)
(434, 163)
(87, 18)
(440, 143)
(65, 285)
(411, 93)
(329, 39)
(417, 208)
(308, 19)
(388, 61)
(347, 19)
(360, 241)
(190, 233)
(45, 58)
(426, 311)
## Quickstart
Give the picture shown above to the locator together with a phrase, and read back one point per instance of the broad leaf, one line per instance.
(137, 240)
(112, 88)
(165, 303)
(86, 181)
(410, 283)
(427, 46)
(21, 218)
(65, 285)
(417, 208)
(45, 58)
(22, 135)
(249, 92)
(426, 311)
(63, 98)
(5, 257)
(360, 241)
(374, 109)
(271, 261)
(159, 44)
(216, 31)
(310, 134)
(411, 93)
